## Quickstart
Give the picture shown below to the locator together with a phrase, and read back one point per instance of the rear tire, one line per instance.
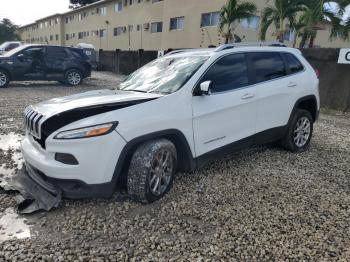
(152, 170)
(73, 77)
(299, 133)
(4, 79)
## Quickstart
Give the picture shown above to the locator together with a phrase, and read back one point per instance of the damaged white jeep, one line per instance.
(171, 115)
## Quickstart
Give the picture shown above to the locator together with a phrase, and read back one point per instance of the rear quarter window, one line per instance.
(79, 53)
(293, 63)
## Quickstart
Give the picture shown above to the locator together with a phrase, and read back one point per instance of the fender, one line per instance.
(185, 157)
(299, 101)
(7, 71)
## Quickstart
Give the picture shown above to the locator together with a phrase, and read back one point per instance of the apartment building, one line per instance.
(151, 25)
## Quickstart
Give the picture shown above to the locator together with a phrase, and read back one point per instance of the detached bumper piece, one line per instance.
(35, 193)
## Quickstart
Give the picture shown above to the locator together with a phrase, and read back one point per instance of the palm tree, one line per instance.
(318, 14)
(234, 11)
(279, 14)
(298, 27)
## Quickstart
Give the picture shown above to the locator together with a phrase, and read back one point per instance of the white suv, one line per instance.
(171, 115)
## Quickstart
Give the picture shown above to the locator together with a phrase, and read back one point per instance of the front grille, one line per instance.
(32, 122)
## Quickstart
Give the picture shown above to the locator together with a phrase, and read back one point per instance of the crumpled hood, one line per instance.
(89, 99)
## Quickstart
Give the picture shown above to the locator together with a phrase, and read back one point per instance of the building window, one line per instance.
(51, 37)
(157, 27)
(131, 28)
(80, 35)
(67, 20)
(177, 23)
(251, 22)
(138, 28)
(210, 19)
(103, 10)
(103, 33)
(57, 37)
(131, 2)
(118, 7)
(119, 30)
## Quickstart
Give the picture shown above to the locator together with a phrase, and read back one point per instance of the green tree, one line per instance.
(319, 13)
(80, 3)
(8, 31)
(279, 14)
(234, 11)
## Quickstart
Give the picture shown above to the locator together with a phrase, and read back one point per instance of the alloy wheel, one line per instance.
(302, 132)
(3, 79)
(74, 78)
(161, 172)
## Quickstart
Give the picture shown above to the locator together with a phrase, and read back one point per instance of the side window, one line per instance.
(293, 63)
(267, 66)
(229, 73)
(54, 52)
(34, 53)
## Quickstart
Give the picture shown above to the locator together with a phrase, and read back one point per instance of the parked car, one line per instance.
(43, 62)
(174, 114)
(8, 46)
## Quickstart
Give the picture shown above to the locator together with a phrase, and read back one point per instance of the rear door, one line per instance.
(274, 91)
(56, 60)
(228, 113)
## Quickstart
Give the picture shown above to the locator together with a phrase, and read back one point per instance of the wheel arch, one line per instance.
(7, 71)
(186, 161)
(308, 103)
(73, 68)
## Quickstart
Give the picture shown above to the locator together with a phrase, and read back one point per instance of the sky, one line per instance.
(23, 12)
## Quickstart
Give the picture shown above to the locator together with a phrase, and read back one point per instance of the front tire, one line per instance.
(4, 79)
(299, 133)
(73, 77)
(152, 170)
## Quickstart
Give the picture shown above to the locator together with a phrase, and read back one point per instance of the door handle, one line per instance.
(291, 84)
(247, 96)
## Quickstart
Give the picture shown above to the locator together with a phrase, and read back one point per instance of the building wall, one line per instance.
(47, 30)
(87, 21)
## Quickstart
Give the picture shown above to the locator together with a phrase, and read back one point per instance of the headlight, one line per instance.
(85, 132)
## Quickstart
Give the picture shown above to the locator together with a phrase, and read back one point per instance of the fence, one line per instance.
(334, 77)
(125, 62)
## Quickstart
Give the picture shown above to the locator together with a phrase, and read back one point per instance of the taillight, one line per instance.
(317, 73)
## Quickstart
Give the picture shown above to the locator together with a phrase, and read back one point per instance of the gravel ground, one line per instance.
(261, 204)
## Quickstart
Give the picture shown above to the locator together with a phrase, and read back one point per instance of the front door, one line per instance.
(228, 113)
(30, 64)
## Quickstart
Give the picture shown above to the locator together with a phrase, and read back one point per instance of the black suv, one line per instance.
(43, 62)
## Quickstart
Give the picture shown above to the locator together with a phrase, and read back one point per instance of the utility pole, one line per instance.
(107, 23)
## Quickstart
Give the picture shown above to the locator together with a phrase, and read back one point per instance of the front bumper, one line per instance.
(93, 176)
(72, 189)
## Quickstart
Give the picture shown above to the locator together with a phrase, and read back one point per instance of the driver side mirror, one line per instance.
(205, 87)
